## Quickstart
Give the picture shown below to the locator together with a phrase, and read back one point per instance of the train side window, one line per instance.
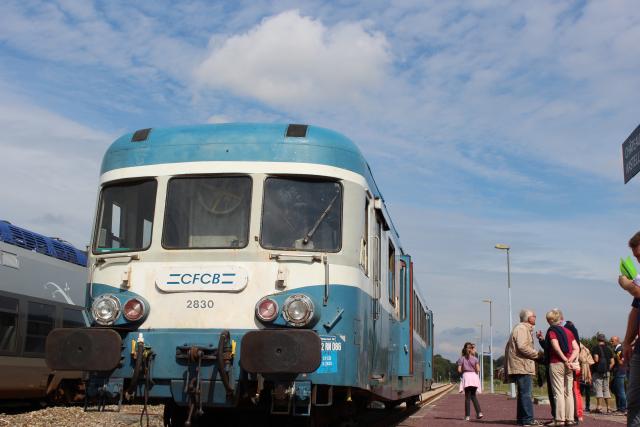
(40, 321)
(73, 318)
(8, 324)
(392, 274)
(125, 216)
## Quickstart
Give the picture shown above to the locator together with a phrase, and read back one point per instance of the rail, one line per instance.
(396, 416)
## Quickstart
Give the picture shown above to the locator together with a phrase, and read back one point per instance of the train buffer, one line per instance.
(498, 410)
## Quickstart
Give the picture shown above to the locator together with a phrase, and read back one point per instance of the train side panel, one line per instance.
(37, 294)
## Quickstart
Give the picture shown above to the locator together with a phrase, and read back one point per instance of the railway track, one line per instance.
(130, 416)
(386, 418)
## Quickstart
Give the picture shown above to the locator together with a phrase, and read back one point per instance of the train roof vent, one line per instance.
(297, 131)
(140, 135)
(64, 252)
(38, 243)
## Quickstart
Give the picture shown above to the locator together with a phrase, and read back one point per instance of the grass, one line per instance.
(500, 387)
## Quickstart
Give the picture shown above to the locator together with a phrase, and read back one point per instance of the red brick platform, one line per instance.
(499, 410)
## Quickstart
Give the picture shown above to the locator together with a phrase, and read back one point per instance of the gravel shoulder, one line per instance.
(74, 416)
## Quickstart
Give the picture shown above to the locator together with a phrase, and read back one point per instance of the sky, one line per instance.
(483, 121)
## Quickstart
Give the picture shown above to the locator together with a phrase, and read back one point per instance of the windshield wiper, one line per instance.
(322, 216)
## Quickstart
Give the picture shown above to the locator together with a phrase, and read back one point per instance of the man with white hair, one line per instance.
(520, 356)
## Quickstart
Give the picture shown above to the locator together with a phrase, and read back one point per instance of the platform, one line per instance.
(498, 409)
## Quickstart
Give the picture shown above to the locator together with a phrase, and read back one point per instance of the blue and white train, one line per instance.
(42, 286)
(248, 265)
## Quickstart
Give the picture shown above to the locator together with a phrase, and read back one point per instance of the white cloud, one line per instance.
(50, 169)
(219, 118)
(290, 60)
(75, 32)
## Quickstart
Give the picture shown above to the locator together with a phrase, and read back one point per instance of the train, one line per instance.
(247, 266)
(42, 286)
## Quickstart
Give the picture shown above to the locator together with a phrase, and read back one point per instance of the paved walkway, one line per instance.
(499, 410)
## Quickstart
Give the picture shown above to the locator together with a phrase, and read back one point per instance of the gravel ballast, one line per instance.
(75, 416)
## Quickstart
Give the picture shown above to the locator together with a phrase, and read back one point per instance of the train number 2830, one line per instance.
(199, 303)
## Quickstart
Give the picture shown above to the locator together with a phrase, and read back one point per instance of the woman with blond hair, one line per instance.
(468, 368)
(562, 351)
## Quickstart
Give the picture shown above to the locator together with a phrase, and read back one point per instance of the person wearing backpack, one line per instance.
(603, 358)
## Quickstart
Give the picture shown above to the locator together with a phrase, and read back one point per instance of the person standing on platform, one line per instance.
(563, 350)
(586, 360)
(633, 288)
(577, 374)
(619, 375)
(547, 370)
(520, 367)
(603, 356)
(468, 368)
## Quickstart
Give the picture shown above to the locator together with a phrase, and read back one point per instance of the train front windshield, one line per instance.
(302, 214)
(207, 212)
(213, 212)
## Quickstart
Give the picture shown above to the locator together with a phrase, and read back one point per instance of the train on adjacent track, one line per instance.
(42, 286)
(247, 265)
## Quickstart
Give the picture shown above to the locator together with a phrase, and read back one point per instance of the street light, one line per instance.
(503, 247)
(490, 341)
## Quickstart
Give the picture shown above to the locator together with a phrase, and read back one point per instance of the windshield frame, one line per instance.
(99, 213)
(208, 175)
(315, 178)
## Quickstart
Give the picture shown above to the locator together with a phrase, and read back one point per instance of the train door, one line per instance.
(376, 274)
(428, 357)
(405, 331)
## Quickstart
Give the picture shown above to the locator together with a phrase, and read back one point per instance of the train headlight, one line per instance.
(267, 310)
(105, 309)
(134, 309)
(298, 310)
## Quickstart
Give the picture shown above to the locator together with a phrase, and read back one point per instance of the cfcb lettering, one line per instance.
(200, 279)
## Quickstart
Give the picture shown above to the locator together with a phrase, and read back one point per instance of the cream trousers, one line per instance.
(562, 387)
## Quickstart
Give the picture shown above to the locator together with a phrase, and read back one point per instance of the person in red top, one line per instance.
(563, 353)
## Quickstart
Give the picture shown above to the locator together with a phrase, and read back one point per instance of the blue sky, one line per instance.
(484, 122)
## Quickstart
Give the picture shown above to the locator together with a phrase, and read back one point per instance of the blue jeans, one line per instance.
(524, 404)
(633, 398)
(617, 388)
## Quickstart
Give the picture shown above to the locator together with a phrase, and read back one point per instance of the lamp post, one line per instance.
(490, 341)
(503, 247)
